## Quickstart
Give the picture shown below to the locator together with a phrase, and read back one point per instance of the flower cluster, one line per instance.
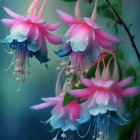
(98, 99)
(93, 91)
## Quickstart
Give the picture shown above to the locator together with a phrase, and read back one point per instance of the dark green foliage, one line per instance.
(67, 99)
(105, 11)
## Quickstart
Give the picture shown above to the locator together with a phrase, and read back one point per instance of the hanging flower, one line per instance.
(104, 93)
(63, 117)
(83, 38)
(28, 36)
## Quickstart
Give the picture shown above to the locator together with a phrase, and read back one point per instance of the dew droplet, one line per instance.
(18, 79)
(18, 90)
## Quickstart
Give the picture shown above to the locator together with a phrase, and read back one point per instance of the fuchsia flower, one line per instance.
(64, 117)
(83, 38)
(104, 93)
(28, 35)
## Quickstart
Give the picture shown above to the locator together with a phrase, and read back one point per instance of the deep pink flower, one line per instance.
(83, 39)
(64, 117)
(28, 35)
(103, 95)
(104, 92)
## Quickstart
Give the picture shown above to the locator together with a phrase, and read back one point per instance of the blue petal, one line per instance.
(57, 121)
(42, 54)
(93, 52)
(65, 50)
(118, 119)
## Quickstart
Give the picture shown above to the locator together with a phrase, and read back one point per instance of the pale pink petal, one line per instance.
(33, 7)
(101, 98)
(87, 82)
(70, 33)
(42, 9)
(50, 99)
(130, 92)
(53, 27)
(42, 106)
(108, 83)
(125, 82)
(8, 22)
(82, 93)
(97, 81)
(79, 40)
(53, 39)
(20, 28)
(13, 14)
(67, 18)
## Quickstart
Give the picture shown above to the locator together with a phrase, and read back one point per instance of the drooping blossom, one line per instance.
(83, 39)
(28, 36)
(103, 94)
(62, 117)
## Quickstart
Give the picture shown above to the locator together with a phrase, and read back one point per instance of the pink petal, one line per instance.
(8, 22)
(13, 14)
(108, 83)
(101, 98)
(42, 106)
(82, 93)
(105, 44)
(53, 100)
(67, 18)
(75, 109)
(53, 27)
(87, 82)
(125, 82)
(130, 92)
(49, 102)
(53, 39)
(106, 36)
(33, 7)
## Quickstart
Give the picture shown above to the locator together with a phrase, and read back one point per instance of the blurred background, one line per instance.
(17, 120)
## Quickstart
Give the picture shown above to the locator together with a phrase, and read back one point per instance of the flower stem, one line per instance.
(122, 23)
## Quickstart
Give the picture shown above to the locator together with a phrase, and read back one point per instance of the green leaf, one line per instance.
(131, 71)
(105, 11)
(119, 54)
(67, 99)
